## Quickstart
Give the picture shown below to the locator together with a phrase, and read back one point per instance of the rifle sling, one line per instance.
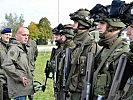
(73, 63)
(116, 43)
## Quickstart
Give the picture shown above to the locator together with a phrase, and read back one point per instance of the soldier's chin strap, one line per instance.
(82, 27)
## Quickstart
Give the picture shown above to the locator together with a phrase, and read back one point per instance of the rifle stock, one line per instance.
(118, 77)
(66, 70)
(56, 73)
(89, 76)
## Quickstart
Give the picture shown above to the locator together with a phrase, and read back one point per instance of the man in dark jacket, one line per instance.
(6, 34)
(17, 68)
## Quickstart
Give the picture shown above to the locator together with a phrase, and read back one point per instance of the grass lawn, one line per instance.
(39, 76)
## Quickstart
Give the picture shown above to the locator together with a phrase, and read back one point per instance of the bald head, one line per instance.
(22, 34)
(21, 29)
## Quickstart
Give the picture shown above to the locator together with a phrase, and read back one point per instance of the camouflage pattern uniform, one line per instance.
(126, 87)
(68, 32)
(103, 79)
(83, 39)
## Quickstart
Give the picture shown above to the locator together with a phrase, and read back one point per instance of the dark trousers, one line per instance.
(30, 97)
(75, 96)
(4, 92)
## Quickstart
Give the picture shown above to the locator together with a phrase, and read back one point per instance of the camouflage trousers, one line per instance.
(74, 96)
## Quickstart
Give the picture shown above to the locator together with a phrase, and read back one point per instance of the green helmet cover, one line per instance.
(115, 22)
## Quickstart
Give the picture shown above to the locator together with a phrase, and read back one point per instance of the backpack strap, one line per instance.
(116, 43)
(73, 63)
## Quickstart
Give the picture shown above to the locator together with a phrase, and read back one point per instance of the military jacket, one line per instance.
(69, 44)
(103, 80)
(126, 86)
(3, 51)
(16, 66)
(78, 77)
(32, 53)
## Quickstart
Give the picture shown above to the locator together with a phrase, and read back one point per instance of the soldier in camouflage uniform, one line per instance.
(84, 43)
(107, 58)
(51, 64)
(67, 35)
(6, 34)
(17, 67)
(126, 86)
(57, 37)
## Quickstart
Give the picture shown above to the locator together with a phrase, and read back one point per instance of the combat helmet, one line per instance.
(126, 13)
(99, 12)
(57, 29)
(115, 22)
(68, 31)
(82, 16)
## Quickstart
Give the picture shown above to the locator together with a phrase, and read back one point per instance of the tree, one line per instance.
(13, 21)
(34, 31)
(45, 30)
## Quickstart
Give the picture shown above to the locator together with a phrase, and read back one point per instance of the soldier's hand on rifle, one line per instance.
(24, 81)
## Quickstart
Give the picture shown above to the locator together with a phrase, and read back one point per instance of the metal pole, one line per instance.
(58, 11)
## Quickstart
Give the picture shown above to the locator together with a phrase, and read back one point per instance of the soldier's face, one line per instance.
(5, 37)
(63, 38)
(130, 32)
(57, 36)
(75, 25)
(102, 26)
(23, 36)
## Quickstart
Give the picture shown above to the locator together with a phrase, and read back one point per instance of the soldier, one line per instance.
(107, 58)
(84, 43)
(67, 35)
(17, 68)
(32, 53)
(57, 37)
(6, 34)
(52, 64)
(125, 89)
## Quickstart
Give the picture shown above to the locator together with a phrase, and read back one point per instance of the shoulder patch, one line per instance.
(12, 53)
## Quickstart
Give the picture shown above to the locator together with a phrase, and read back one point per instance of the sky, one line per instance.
(56, 11)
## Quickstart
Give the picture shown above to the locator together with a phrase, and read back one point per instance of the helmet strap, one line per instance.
(81, 27)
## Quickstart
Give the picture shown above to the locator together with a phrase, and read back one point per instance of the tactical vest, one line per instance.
(87, 45)
(103, 79)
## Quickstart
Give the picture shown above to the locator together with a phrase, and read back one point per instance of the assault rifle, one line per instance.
(56, 73)
(66, 70)
(89, 77)
(49, 68)
(118, 78)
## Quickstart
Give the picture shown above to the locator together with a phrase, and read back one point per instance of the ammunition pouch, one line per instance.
(82, 65)
(100, 86)
(73, 83)
(78, 78)
(128, 89)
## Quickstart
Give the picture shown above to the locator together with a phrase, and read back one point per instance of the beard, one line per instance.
(58, 42)
(131, 46)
